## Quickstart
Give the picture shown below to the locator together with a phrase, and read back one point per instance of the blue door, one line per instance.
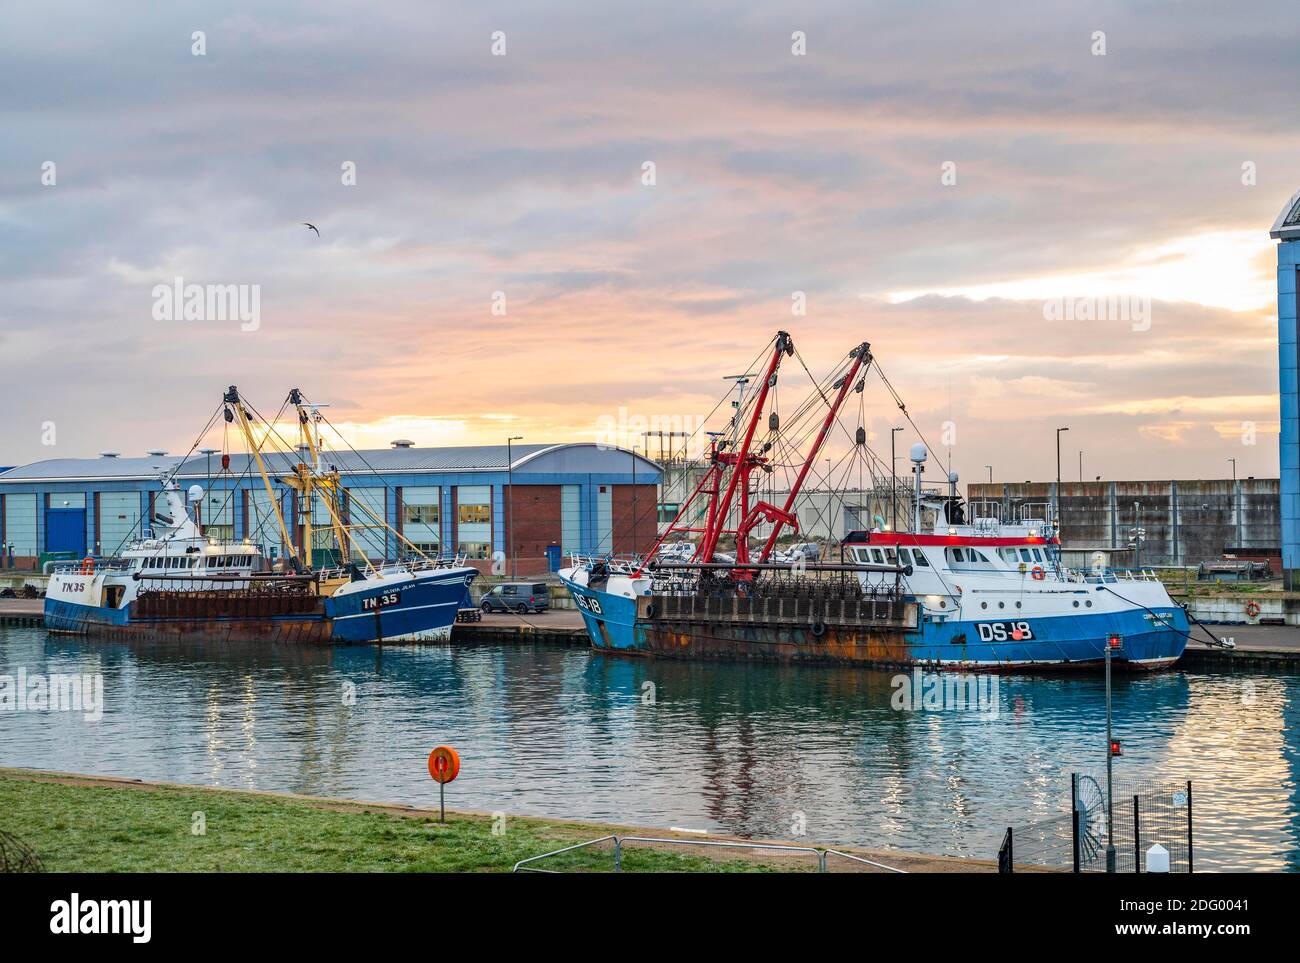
(65, 530)
(553, 558)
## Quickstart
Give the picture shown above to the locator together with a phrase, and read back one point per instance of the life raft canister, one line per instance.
(1252, 608)
(1038, 573)
(87, 566)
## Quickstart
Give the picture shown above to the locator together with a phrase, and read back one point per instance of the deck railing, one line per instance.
(402, 566)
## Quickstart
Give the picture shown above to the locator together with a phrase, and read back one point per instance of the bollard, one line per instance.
(1157, 859)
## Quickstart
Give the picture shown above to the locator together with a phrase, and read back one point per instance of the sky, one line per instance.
(543, 220)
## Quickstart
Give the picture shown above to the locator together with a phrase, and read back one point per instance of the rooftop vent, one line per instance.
(109, 454)
(155, 452)
(402, 443)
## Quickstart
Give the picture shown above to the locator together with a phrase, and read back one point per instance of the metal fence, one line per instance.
(1145, 814)
(649, 854)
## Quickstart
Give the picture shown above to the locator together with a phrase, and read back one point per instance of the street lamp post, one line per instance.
(1058, 477)
(510, 505)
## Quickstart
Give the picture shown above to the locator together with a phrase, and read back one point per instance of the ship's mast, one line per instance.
(740, 459)
(743, 461)
(861, 356)
(235, 411)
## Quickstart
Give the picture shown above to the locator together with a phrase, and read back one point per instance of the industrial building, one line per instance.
(508, 504)
(1182, 522)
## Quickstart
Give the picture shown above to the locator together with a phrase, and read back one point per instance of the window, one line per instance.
(959, 554)
(420, 514)
(1038, 555)
(891, 556)
(877, 557)
(1025, 556)
(921, 560)
(905, 556)
(477, 550)
(473, 514)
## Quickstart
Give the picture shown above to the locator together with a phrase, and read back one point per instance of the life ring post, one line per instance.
(444, 766)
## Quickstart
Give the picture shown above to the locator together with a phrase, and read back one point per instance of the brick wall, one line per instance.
(644, 522)
(536, 513)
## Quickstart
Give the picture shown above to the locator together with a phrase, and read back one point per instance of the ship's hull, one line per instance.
(410, 609)
(118, 623)
(1149, 640)
(396, 608)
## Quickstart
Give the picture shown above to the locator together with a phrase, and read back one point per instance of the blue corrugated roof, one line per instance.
(381, 460)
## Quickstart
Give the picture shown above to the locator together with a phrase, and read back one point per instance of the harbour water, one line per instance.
(752, 750)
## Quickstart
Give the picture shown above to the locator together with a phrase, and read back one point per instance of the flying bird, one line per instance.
(312, 226)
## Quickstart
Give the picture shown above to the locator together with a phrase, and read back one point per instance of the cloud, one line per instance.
(1076, 175)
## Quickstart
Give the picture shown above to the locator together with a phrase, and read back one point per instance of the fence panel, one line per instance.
(647, 854)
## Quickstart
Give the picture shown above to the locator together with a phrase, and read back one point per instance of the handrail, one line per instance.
(724, 844)
(402, 566)
(557, 852)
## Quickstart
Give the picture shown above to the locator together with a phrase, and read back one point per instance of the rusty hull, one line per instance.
(837, 645)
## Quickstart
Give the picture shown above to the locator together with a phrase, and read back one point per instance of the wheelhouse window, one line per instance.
(920, 558)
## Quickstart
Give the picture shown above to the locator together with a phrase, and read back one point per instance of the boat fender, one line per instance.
(818, 629)
(1252, 608)
(1038, 573)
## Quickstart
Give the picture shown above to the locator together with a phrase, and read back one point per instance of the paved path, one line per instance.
(557, 620)
(22, 606)
(1254, 638)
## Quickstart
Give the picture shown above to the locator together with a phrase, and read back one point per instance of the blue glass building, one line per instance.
(1287, 231)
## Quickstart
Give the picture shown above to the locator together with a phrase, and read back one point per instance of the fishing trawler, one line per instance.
(174, 581)
(947, 593)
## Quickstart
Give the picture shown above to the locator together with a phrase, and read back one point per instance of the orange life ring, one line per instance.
(444, 764)
(1252, 608)
(87, 566)
(1038, 573)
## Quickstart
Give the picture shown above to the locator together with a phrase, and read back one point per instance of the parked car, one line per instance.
(806, 551)
(520, 597)
(676, 551)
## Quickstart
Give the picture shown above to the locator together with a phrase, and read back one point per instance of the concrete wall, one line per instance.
(1186, 522)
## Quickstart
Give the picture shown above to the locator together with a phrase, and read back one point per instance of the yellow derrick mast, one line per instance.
(309, 478)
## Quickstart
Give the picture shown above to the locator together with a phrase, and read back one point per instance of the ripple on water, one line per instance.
(742, 749)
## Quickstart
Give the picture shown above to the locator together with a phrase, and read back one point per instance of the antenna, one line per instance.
(738, 405)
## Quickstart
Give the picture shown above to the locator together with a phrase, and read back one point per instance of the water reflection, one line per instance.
(734, 748)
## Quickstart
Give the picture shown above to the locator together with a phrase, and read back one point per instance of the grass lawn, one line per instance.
(86, 825)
